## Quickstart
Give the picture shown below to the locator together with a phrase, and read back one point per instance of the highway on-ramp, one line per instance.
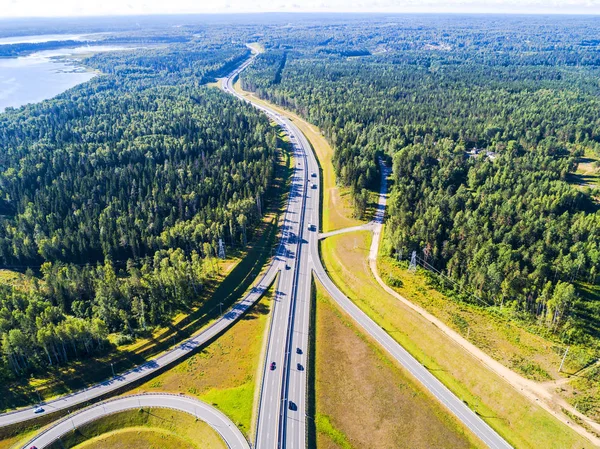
(232, 436)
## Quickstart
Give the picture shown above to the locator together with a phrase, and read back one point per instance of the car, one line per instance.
(293, 406)
(33, 447)
(287, 267)
(298, 351)
(313, 174)
(299, 367)
(312, 227)
(38, 410)
(314, 186)
(273, 366)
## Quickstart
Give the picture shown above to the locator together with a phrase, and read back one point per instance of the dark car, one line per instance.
(300, 367)
(313, 174)
(273, 366)
(298, 351)
(293, 406)
(314, 186)
(287, 267)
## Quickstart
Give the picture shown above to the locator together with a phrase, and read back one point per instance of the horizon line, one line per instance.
(313, 12)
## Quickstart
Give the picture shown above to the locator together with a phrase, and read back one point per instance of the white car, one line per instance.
(38, 410)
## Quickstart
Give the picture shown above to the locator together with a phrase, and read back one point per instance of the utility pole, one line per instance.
(220, 308)
(112, 366)
(221, 249)
(563, 359)
(413, 262)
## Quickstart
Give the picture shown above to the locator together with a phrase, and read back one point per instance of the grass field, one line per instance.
(137, 437)
(522, 423)
(587, 174)
(358, 388)
(224, 373)
(526, 353)
(238, 272)
(147, 428)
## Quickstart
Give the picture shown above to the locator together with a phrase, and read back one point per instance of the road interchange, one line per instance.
(282, 414)
(291, 429)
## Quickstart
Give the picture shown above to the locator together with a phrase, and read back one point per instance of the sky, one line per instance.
(62, 8)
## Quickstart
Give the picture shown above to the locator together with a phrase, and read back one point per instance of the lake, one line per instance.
(40, 76)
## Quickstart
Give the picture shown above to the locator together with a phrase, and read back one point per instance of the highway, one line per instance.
(232, 436)
(281, 425)
(282, 409)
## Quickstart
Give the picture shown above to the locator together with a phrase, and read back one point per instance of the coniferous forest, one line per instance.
(484, 120)
(114, 196)
(115, 193)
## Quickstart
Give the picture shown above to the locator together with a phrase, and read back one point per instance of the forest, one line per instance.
(113, 197)
(485, 120)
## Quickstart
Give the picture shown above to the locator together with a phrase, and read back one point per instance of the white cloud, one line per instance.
(49, 8)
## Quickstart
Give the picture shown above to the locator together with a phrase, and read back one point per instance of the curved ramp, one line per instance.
(232, 436)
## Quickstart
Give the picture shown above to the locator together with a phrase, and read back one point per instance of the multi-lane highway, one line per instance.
(207, 413)
(282, 409)
(282, 420)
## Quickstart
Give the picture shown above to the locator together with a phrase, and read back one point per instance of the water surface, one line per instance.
(43, 75)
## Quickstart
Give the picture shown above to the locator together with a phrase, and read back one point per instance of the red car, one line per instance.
(273, 366)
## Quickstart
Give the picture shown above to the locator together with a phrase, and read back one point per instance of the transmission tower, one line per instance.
(221, 249)
(413, 262)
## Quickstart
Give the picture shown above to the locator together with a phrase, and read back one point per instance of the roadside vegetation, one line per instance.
(352, 274)
(484, 137)
(231, 279)
(527, 353)
(152, 428)
(358, 388)
(517, 419)
(224, 374)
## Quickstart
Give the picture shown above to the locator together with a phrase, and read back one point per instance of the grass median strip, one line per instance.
(358, 388)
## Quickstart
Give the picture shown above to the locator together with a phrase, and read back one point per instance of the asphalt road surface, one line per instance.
(282, 410)
(207, 413)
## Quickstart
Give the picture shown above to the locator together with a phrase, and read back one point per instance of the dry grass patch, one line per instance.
(144, 428)
(358, 388)
(521, 422)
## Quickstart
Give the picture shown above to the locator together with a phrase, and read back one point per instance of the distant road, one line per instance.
(207, 413)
